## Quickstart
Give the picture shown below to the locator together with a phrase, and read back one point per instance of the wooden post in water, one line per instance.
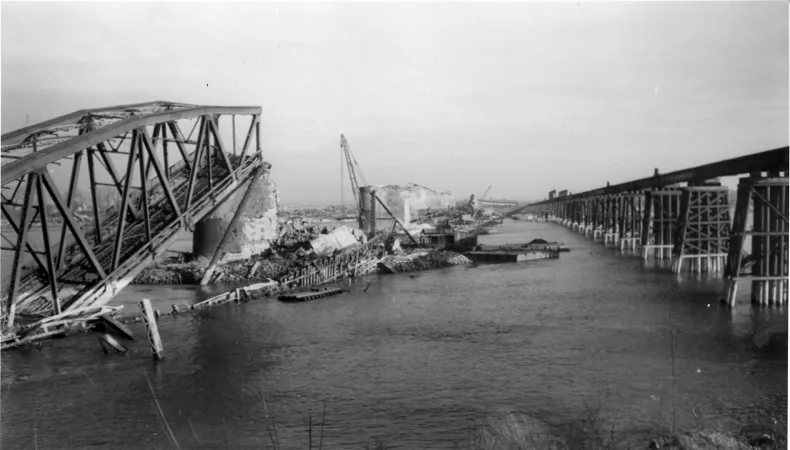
(769, 241)
(153, 330)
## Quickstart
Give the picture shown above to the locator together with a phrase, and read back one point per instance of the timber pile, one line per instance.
(59, 325)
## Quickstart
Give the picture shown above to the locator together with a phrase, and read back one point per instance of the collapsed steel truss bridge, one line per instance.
(162, 165)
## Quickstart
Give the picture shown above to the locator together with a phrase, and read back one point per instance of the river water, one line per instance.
(413, 361)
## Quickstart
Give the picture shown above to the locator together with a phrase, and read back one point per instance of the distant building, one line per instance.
(563, 193)
(552, 195)
(410, 201)
(497, 204)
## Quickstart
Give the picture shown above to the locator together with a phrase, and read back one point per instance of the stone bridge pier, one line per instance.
(254, 230)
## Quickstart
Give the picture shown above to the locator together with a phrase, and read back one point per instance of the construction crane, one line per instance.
(471, 205)
(483, 197)
(353, 171)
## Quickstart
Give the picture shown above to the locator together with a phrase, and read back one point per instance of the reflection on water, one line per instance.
(412, 360)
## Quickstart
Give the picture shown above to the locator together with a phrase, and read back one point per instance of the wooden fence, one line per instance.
(360, 261)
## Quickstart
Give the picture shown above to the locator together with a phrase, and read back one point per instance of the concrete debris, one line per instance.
(339, 239)
(392, 245)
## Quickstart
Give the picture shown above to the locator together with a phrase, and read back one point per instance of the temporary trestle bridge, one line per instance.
(661, 217)
(90, 198)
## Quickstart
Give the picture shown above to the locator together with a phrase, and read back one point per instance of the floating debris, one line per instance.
(310, 295)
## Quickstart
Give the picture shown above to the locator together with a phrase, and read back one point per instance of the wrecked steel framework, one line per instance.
(165, 164)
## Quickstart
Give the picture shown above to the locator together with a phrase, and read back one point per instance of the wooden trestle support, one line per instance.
(661, 218)
(767, 198)
(692, 224)
(615, 219)
(703, 229)
(630, 220)
(662, 209)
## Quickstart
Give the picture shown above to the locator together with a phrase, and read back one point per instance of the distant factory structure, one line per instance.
(554, 194)
(497, 204)
(407, 202)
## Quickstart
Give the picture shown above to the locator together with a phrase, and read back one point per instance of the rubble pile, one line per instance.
(464, 218)
(318, 214)
(235, 271)
(296, 234)
(295, 249)
(304, 240)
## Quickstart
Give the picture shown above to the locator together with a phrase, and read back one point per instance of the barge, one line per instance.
(535, 249)
(511, 255)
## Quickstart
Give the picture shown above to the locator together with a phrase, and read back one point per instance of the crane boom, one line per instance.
(353, 170)
(486, 193)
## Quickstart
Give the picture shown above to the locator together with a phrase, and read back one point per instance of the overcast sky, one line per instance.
(524, 96)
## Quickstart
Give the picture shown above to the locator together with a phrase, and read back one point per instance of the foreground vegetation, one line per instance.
(514, 432)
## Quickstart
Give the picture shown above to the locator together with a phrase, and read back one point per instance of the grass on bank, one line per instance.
(514, 432)
(519, 432)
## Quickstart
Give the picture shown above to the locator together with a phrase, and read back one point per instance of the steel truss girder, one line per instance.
(97, 265)
(37, 160)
